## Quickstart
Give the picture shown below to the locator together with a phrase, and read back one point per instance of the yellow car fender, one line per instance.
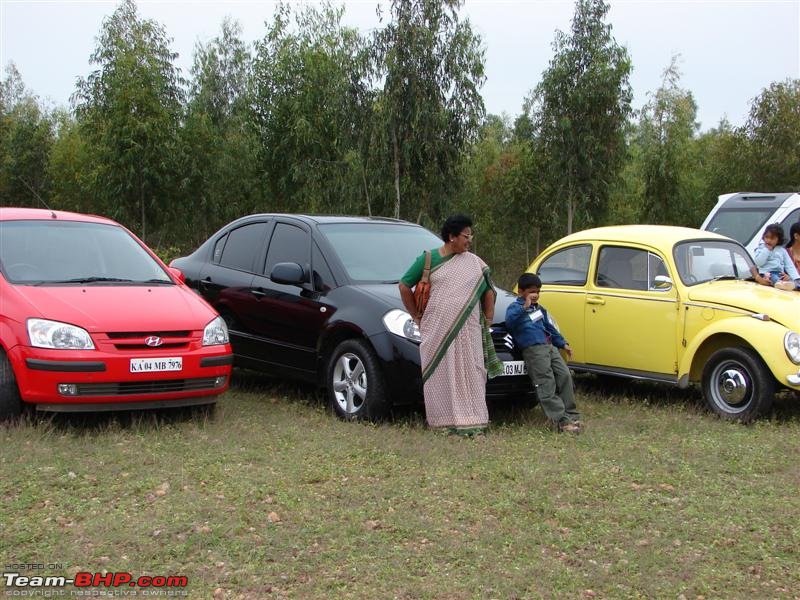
(764, 337)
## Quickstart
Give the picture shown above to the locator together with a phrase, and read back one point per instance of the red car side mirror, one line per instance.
(178, 274)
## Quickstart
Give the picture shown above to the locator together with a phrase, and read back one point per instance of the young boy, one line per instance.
(539, 341)
(773, 261)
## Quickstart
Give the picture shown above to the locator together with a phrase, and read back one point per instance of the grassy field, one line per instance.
(273, 497)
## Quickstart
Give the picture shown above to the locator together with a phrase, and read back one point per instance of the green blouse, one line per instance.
(414, 273)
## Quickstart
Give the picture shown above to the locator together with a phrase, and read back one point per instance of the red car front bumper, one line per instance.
(67, 380)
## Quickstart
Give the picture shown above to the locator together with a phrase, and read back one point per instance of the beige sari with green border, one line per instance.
(456, 350)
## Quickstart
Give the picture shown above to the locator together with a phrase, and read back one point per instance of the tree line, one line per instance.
(317, 117)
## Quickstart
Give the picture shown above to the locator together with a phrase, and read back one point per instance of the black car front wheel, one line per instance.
(737, 384)
(354, 383)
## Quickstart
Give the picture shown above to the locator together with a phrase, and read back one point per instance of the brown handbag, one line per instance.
(422, 291)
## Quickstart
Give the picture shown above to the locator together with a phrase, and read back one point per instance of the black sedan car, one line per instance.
(316, 298)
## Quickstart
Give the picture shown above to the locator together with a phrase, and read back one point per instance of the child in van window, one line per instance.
(774, 265)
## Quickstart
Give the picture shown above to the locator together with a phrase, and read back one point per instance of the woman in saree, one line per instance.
(456, 351)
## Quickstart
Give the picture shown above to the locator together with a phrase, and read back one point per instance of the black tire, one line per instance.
(10, 400)
(737, 385)
(354, 383)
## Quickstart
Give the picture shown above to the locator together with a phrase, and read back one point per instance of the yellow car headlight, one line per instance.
(791, 343)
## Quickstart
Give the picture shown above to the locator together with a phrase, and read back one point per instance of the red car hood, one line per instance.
(102, 308)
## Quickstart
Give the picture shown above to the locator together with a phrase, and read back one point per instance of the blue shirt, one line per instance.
(776, 260)
(531, 326)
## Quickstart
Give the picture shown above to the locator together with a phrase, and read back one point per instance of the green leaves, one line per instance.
(580, 110)
(130, 109)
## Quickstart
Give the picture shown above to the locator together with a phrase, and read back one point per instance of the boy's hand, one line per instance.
(568, 350)
(528, 300)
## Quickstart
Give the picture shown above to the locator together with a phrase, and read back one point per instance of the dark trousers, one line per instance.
(553, 382)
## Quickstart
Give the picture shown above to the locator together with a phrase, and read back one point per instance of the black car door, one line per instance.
(290, 317)
(226, 282)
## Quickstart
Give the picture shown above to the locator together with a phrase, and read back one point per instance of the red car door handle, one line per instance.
(258, 293)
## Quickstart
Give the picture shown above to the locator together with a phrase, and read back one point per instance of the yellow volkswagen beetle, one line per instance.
(675, 305)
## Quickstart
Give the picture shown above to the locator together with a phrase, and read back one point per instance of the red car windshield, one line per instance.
(63, 252)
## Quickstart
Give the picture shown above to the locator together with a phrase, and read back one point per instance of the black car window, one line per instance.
(323, 278)
(242, 246)
(289, 244)
(218, 249)
(566, 267)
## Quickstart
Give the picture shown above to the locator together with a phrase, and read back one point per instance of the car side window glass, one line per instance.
(289, 244)
(323, 278)
(217, 255)
(793, 218)
(242, 246)
(567, 267)
(657, 268)
(622, 268)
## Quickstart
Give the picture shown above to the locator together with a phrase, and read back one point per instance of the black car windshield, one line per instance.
(740, 224)
(73, 252)
(699, 261)
(378, 252)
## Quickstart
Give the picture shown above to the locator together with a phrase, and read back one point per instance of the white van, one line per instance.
(744, 215)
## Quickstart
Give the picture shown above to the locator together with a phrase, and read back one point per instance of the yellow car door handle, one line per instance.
(595, 300)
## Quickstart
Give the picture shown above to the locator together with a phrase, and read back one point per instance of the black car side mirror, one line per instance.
(288, 274)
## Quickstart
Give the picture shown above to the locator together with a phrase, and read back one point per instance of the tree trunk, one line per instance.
(141, 204)
(366, 190)
(396, 175)
(570, 213)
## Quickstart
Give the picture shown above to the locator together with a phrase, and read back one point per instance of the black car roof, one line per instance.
(322, 219)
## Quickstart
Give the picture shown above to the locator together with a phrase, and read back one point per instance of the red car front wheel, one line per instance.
(10, 401)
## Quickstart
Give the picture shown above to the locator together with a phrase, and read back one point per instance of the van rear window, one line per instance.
(740, 224)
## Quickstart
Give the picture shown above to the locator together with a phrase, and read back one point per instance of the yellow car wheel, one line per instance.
(737, 384)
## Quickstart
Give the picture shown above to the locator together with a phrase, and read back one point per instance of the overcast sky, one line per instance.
(730, 50)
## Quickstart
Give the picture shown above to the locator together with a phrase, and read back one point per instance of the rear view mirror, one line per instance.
(177, 274)
(662, 283)
(288, 274)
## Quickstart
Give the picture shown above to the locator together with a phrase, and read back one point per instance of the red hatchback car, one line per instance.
(91, 319)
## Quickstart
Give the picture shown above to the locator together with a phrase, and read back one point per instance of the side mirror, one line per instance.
(288, 274)
(661, 283)
(177, 274)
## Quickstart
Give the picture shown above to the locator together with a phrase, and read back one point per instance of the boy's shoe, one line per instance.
(570, 428)
(788, 286)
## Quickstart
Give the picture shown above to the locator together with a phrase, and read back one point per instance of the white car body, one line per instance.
(744, 215)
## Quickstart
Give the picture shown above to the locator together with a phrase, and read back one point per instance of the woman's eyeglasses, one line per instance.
(468, 236)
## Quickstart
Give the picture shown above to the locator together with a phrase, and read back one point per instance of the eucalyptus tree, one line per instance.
(130, 108)
(505, 196)
(580, 111)
(26, 138)
(722, 162)
(772, 131)
(431, 64)
(310, 94)
(221, 171)
(69, 167)
(666, 138)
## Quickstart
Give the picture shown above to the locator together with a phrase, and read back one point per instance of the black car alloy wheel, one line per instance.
(354, 383)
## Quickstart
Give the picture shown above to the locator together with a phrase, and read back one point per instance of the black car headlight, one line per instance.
(399, 322)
